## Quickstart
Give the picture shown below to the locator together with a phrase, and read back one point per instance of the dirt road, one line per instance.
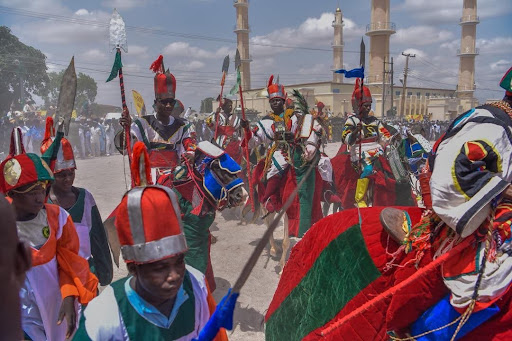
(104, 178)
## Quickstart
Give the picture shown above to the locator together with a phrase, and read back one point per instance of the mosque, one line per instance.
(432, 103)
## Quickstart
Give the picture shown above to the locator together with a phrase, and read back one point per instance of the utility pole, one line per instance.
(404, 88)
(392, 88)
(384, 73)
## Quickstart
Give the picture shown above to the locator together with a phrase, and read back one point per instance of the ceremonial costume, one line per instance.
(84, 212)
(166, 143)
(278, 133)
(57, 270)
(365, 175)
(120, 313)
(228, 132)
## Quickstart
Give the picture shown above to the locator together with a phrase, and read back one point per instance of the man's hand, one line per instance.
(244, 123)
(67, 310)
(507, 193)
(125, 119)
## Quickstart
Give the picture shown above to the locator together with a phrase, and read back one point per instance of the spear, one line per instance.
(225, 68)
(118, 40)
(66, 99)
(362, 65)
(238, 63)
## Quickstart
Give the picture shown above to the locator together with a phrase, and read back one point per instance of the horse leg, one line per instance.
(286, 244)
(272, 241)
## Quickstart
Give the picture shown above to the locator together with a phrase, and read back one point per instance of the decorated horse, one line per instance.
(442, 272)
(210, 183)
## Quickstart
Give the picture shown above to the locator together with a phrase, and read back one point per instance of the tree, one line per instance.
(207, 105)
(19, 63)
(86, 91)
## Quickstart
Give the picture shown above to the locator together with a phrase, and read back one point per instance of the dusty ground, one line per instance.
(104, 178)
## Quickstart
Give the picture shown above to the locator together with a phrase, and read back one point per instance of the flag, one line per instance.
(354, 73)
(236, 87)
(139, 103)
(115, 68)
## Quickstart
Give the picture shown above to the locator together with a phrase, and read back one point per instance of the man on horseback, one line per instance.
(226, 128)
(168, 138)
(276, 130)
(366, 137)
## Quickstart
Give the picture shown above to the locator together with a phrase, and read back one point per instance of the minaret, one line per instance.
(468, 51)
(337, 46)
(242, 38)
(379, 31)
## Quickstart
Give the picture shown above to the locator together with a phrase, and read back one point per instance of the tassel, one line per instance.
(140, 167)
(157, 65)
(270, 80)
(49, 129)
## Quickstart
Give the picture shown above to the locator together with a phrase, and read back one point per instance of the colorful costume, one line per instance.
(120, 313)
(365, 175)
(166, 143)
(84, 213)
(57, 270)
(228, 132)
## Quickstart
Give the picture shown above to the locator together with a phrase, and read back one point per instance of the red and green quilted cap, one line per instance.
(20, 170)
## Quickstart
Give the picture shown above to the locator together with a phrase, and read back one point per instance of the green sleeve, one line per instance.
(81, 333)
(100, 250)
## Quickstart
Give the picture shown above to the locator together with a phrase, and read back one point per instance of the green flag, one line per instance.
(115, 68)
(236, 87)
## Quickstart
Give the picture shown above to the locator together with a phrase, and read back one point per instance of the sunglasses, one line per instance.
(170, 101)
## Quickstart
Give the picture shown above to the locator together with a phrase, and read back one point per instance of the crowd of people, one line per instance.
(162, 230)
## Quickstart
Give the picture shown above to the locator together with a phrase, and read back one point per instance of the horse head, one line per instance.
(220, 176)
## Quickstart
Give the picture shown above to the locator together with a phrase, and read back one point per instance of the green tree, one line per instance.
(19, 63)
(207, 105)
(86, 90)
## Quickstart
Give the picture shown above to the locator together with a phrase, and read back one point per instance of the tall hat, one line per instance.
(148, 220)
(59, 150)
(20, 168)
(506, 82)
(360, 97)
(320, 105)
(275, 90)
(165, 83)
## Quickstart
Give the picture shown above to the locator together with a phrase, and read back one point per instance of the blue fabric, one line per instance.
(354, 73)
(367, 171)
(210, 181)
(469, 113)
(221, 318)
(443, 313)
(149, 312)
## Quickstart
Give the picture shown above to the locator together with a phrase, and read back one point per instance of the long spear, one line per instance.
(238, 63)
(118, 40)
(362, 56)
(225, 68)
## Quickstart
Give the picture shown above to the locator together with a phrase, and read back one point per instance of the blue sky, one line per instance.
(428, 28)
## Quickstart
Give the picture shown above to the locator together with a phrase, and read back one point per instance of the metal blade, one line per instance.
(117, 32)
(238, 60)
(362, 54)
(67, 95)
(277, 79)
(225, 64)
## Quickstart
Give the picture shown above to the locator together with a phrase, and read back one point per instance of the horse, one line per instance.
(208, 184)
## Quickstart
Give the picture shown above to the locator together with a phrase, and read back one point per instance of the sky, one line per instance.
(194, 36)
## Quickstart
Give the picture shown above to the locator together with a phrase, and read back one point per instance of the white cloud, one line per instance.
(449, 11)
(190, 66)
(183, 49)
(85, 30)
(495, 45)
(313, 32)
(138, 51)
(314, 69)
(124, 4)
(501, 65)
(93, 55)
(420, 35)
